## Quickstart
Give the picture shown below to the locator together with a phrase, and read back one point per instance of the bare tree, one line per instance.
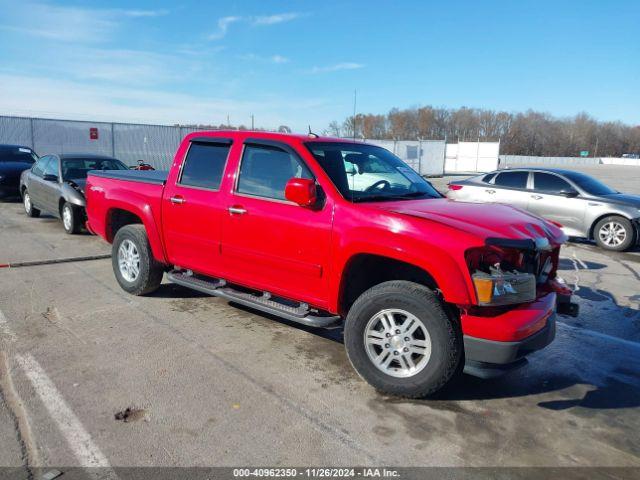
(524, 133)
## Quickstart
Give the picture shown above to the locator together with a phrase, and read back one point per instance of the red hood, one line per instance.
(482, 220)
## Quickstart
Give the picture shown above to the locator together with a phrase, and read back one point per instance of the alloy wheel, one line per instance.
(129, 260)
(397, 343)
(67, 220)
(612, 234)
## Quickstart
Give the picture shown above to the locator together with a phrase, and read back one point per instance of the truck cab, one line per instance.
(325, 231)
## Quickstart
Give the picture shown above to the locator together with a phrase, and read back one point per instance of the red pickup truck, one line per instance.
(321, 231)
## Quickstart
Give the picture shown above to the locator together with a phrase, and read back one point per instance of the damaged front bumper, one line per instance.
(500, 343)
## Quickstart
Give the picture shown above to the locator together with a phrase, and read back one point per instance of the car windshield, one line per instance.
(77, 168)
(364, 173)
(17, 154)
(590, 184)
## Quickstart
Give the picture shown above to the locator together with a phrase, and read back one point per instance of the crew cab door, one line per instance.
(269, 243)
(192, 207)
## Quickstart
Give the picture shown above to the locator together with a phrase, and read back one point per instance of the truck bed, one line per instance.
(158, 177)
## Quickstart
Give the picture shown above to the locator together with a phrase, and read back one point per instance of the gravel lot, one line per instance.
(213, 384)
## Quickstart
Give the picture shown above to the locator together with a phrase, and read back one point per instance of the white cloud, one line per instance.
(223, 27)
(277, 59)
(261, 20)
(274, 19)
(64, 23)
(60, 98)
(144, 13)
(336, 67)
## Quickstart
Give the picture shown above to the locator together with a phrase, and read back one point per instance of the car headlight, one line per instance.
(503, 288)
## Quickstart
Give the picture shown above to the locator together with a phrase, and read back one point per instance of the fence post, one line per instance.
(113, 141)
(33, 139)
(420, 156)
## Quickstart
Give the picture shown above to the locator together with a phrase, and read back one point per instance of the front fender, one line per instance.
(437, 249)
(73, 196)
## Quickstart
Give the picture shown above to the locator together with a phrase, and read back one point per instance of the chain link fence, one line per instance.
(156, 144)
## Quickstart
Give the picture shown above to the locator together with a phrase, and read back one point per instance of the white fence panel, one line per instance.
(424, 156)
(472, 157)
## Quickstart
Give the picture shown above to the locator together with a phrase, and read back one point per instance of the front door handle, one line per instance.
(536, 197)
(490, 191)
(237, 210)
(177, 200)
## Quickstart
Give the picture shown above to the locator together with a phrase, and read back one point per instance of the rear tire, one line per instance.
(135, 268)
(28, 205)
(614, 233)
(418, 363)
(70, 218)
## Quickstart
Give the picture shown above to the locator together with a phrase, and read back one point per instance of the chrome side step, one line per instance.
(300, 313)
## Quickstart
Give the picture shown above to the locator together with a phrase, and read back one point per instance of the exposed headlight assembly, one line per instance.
(504, 288)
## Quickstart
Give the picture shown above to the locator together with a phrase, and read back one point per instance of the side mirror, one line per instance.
(569, 193)
(48, 177)
(301, 191)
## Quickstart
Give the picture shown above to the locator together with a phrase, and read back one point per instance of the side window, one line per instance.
(545, 182)
(204, 165)
(38, 168)
(265, 171)
(51, 167)
(487, 178)
(512, 179)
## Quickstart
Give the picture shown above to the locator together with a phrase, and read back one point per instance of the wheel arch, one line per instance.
(592, 228)
(119, 216)
(365, 270)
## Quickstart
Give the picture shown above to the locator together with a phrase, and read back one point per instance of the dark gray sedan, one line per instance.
(55, 185)
(582, 205)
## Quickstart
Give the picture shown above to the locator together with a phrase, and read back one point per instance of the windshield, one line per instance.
(17, 154)
(590, 184)
(77, 168)
(364, 173)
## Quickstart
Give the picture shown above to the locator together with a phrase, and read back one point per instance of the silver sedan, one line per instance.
(583, 206)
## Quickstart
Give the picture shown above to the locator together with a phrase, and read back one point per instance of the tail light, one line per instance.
(454, 187)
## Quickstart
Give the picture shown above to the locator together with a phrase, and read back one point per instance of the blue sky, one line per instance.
(298, 63)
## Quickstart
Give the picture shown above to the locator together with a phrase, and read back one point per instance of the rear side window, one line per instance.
(512, 179)
(545, 182)
(265, 171)
(487, 178)
(204, 165)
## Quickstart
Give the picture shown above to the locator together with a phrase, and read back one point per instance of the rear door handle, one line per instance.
(237, 210)
(177, 200)
(490, 191)
(536, 197)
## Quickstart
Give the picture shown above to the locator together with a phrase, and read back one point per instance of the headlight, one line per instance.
(1, 178)
(502, 288)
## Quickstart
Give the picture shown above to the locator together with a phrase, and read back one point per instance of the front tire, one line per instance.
(614, 233)
(399, 338)
(29, 209)
(70, 218)
(135, 268)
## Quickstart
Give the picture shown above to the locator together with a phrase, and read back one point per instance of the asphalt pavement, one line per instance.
(209, 383)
